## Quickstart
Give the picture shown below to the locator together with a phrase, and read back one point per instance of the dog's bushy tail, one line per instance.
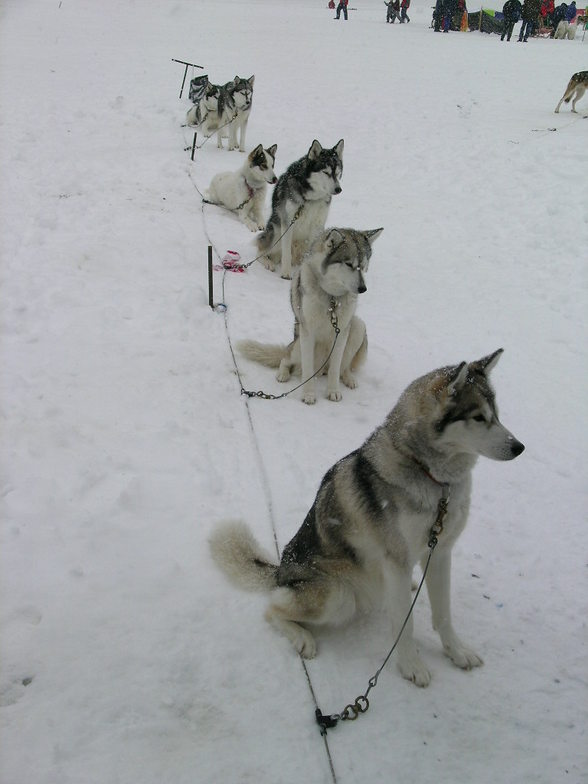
(241, 558)
(267, 238)
(267, 354)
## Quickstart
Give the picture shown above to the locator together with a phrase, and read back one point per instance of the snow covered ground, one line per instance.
(125, 657)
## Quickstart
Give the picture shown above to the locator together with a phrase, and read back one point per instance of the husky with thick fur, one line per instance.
(242, 93)
(371, 521)
(204, 113)
(576, 88)
(223, 109)
(244, 191)
(323, 293)
(300, 203)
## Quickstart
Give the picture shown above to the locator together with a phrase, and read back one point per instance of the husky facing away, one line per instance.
(324, 293)
(244, 191)
(576, 88)
(371, 519)
(300, 203)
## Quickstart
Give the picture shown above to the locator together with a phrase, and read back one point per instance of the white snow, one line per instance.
(125, 656)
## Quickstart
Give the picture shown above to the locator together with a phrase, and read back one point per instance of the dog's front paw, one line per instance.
(462, 656)
(414, 670)
(309, 398)
(305, 644)
(283, 374)
(286, 275)
(268, 263)
(335, 396)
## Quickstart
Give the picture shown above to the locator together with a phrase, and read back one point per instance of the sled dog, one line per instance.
(372, 517)
(244, 191)
(323, 295)
(222, 108)
(300, 203)
(561, 30)
(242, 93)
(572, 29)
(576, 88)
(204, 113)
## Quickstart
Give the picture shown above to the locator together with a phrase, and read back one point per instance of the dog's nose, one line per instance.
(362, 289)
(275, 179)
(516, 448)
(338, 189)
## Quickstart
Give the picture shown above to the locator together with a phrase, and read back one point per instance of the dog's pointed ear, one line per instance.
(372, 235)
(339, 148)
(334, 238)
(272, 150)
(315, 150)
(457, 378)
(257, 150)
(486, 364)
(251, 80)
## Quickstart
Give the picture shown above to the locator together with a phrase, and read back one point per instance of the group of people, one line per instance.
(447, 12)
(397, 9)
(533, 13)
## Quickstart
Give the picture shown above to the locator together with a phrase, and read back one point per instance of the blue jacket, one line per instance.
(571, 12)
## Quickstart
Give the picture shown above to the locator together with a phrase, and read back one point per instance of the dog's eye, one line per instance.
(349, 264)
(479, 418)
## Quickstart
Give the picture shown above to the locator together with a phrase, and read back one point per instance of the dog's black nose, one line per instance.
(338, 189)
(274, 180)
(516, 448)
(362, 289)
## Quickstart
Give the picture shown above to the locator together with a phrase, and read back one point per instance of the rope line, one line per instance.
(259, 456)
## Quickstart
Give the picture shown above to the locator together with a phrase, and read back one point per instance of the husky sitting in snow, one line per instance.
(204, 113)
(376, 516)
(324, 298)
(244, 191)
(300, 203)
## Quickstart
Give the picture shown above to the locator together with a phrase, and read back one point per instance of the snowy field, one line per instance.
(125, 657)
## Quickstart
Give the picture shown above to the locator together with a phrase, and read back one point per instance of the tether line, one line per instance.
(262, 470)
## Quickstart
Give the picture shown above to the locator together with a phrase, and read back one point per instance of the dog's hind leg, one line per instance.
(580, 90)
(438, 587)
(285, 612)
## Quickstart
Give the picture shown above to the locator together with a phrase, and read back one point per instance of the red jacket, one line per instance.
(547, 8)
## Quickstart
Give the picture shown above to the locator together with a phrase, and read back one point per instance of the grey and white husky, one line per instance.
(300, 203)
(372, 517)
(242, 94)
(204, 113)
(244, 191)
(576, 88)
(223, 109)
(323, 295)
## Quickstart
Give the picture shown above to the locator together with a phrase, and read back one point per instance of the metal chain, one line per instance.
(353, 710)
(332, 310)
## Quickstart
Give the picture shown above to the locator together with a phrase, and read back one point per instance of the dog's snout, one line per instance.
(338, 189)
(516, 448)
(274, 180)
(362, 289)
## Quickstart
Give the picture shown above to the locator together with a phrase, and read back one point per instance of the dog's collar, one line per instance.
(443, 485)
